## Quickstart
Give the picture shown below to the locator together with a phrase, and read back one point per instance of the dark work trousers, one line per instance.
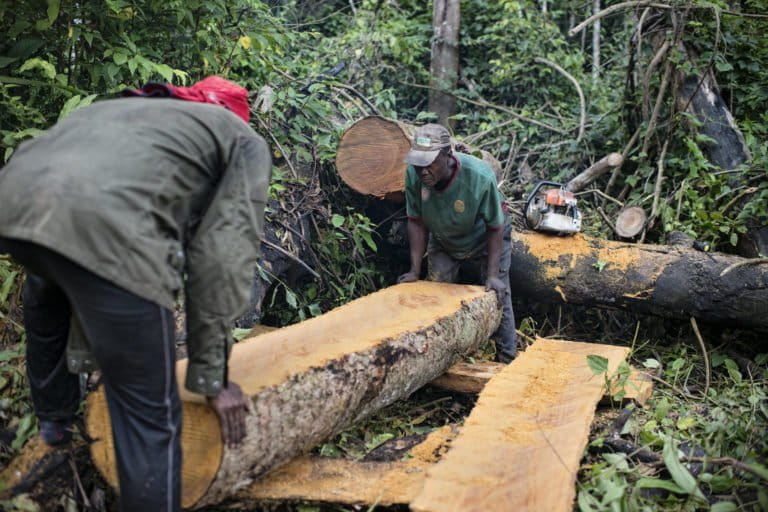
(445, 268)
(132, 341)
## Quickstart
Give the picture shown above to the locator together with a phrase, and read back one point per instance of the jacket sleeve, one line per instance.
(221, 261)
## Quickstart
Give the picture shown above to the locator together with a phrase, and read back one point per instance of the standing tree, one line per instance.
(445, 58)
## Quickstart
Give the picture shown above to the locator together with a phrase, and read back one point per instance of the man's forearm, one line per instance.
(494, 251)
(417, 241)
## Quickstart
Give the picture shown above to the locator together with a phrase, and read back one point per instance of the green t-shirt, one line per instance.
(460, 215)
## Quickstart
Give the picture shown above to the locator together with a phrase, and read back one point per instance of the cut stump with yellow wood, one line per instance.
(311, 380)
(520, 447)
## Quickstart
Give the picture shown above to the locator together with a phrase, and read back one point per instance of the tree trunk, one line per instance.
(446, 18)
(311, 380)
(672, 282)
(595, 43)
(705, 103)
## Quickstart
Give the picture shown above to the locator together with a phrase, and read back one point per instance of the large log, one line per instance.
(371, 157)
(311, 380)
(668, 281)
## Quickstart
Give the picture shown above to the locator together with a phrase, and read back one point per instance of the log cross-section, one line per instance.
(311, 380)
(520, 447)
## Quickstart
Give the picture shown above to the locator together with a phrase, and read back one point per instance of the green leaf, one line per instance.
(686, 423)
(239, 334)
(43, 65)
(679, 473)
(52, 12)
(74, 103)
(723, 506)
(23, 431)
(4, 61)
(120, 58)
(369, 241)
(651, 363)
(378, 440)
(165, 71)
(658, 483)
(314, 309)
(598, 364)
(290, 298)
(6, 288)
(337, 220)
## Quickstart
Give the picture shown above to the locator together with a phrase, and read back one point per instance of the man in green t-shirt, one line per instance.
(455, 213)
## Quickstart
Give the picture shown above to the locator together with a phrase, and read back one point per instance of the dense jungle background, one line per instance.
(545, 87)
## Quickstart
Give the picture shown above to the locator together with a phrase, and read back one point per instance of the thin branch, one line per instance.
(657, 107)
(743, 263)
(359, 95)
(582, 103)
(605, 218)
(279, 146)
(291, 256)
(614, 8)
(624, 153)
(486, 104)
(659, 179)
(647, 76)
(705, 355)
(24, 81)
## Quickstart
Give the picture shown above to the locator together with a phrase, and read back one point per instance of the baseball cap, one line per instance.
(214, 90)
(428, 140)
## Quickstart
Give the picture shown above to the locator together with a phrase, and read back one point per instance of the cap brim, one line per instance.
(421, 158)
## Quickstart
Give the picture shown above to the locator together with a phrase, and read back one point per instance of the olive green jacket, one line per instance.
(153, 195)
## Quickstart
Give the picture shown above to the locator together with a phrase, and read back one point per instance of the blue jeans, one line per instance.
(444, 268)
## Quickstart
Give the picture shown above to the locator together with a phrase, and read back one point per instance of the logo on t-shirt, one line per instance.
(458, 205)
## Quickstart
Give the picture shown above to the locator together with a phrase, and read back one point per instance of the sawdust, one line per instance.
(32, 454)
(434, 446)
(560, 254)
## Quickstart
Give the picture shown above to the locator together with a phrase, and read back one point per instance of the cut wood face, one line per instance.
(520, 447)
(371, 157)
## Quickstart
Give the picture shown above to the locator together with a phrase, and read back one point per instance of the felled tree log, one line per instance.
(311, 380)
(583, 179)
(371, 157)
(668, 281)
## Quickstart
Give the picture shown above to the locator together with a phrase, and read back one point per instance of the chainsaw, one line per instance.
(552, 210)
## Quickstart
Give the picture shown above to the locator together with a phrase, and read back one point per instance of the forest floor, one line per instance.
(719, 421)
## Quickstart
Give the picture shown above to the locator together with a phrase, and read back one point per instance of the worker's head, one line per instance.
(214, 89)
(430, 153)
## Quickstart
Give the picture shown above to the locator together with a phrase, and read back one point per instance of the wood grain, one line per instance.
(311, 380)
(520, 447)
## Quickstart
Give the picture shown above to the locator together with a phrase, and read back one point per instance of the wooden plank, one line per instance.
(471, 378)
(520, 447)
(323, 479)
(465, 377)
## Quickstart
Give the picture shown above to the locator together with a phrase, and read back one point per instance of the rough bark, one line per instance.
(667, 281)
(702, 98)
(583, 179)
(311, 380)
(371, 157)
(446, 18)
